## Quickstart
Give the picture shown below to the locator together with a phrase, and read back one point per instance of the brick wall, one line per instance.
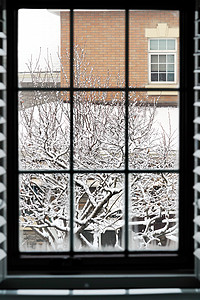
(139, 20)
(101, 34)
(65, 36)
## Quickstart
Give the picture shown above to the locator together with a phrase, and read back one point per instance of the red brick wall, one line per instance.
(102, 36)
(65, 41)
(139, 20)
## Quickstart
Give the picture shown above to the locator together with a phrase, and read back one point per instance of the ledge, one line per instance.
(162, 86)
(100, 282)
(145, 294)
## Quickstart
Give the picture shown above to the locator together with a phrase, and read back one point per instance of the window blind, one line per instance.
(2, 140)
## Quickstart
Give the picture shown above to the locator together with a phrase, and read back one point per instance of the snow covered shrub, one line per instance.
(99, 144)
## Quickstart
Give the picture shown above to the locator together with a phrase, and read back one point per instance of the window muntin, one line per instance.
(162, 60)
(124, 102)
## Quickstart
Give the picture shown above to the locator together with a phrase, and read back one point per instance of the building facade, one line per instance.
(99, 40)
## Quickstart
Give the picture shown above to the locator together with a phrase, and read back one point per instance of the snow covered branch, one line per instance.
(99, 144)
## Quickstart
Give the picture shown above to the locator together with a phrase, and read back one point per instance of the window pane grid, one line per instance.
(162, 65)
(162, 44)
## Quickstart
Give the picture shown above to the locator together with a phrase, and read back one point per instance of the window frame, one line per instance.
(144, 262)
(162, 52)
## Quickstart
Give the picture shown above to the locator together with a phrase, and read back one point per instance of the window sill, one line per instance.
(126, 281)
(162, 86)
(97, 287)
(145, 294)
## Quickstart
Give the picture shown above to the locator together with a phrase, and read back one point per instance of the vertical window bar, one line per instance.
(3, 204)
(71, 130)
(196, 146)
(126, 215)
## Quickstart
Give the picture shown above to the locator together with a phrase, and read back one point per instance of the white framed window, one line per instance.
(162, 60)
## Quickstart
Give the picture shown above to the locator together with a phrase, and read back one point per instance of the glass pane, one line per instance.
(154, 58)
(99, 211)
(170, 58)
(99, 52)
(153, 207)
(154, 76)
(170, 44)
(162, 59)
(153, 44)
(144, 26)
(44, 212)
(43, 129)
(154, 67)
(170, 67)
(162, 67)
(153, 131)
(43, 48)
(162, 76)
(99, 130)
(170, 77)
(162, 45)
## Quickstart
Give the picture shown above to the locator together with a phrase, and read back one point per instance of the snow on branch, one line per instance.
(99, 143)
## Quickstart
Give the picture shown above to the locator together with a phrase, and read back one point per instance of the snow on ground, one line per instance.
(168, 118)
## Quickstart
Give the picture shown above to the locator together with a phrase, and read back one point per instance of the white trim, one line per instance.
(162, 30)
(162, 52)
(162, 93)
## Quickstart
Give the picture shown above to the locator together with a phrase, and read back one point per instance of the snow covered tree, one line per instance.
(99, 144)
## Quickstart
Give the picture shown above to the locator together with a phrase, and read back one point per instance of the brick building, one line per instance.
(99, 38)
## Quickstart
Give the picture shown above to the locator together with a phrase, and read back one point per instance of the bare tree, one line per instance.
(99, 144)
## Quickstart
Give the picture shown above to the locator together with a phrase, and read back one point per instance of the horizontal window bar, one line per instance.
(97, 89)
(154, 171)
(98, 254)
(89, 5)
(100, 171)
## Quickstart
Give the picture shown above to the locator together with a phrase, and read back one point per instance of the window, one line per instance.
(119, 244)
(99, 161)
(162, 60)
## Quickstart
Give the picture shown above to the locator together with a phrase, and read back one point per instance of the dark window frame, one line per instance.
(102, 263)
